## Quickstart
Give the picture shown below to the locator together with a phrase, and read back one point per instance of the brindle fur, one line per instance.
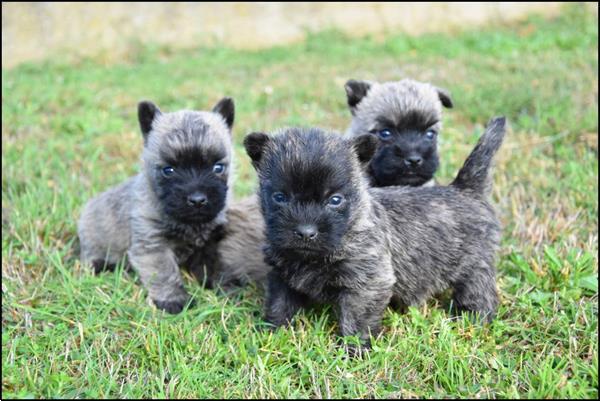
(149, 217)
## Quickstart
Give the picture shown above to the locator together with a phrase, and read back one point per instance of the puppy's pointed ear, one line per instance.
(355, 92)
(147, 112)
(364, 146)
(256, 144)
(226, 109)
(445, 98)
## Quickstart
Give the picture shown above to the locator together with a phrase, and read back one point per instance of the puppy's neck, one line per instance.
(196, 234)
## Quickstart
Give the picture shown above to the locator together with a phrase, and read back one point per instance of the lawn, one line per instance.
(69, 131)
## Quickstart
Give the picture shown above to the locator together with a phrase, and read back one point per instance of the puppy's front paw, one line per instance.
(228, 288)
(354, 350)
(100, 266)
(266, 327)
(173, 307)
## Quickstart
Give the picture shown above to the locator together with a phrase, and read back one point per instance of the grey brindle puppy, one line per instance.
(405, 116)
(171, 211)
(332, 239)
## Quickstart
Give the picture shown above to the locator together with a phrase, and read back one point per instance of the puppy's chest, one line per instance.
(321, 282)
(186, 239)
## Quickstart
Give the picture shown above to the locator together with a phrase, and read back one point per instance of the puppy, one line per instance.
(332, 239)
(405, 116)
(164, 216)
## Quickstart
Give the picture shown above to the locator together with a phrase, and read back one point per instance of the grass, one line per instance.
(69, 131)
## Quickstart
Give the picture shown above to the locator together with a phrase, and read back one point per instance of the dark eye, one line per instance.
(335, 200)
(218, 168)
(279, 197)
(168, 171)
(384, 133)
(430, 134)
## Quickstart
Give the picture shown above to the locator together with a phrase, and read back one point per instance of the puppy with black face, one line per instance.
(168, 214)
(332, 239)
(308, 201)
(325, 240)
(405, 116)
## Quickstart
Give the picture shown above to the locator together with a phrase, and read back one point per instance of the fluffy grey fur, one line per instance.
(409, 113)
(154, 217)
(240, 259)
(374, 245)
(410, 106)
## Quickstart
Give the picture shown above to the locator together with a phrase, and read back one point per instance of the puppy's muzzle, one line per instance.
(306, 232)
(197, 199)
(413, 161)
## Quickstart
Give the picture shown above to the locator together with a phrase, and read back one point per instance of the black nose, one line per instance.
(306, 232)
(197, 199)
(413, 161)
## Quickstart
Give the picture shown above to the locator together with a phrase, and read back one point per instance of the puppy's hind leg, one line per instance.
(101, 259)
(476, 293)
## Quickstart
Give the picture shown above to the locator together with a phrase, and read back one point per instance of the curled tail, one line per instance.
(474, 174)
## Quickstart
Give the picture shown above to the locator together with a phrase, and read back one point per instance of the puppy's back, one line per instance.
(438, 236)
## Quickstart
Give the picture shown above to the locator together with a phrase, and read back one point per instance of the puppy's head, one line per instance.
(312, 187)
(187, 159)
(405, 116)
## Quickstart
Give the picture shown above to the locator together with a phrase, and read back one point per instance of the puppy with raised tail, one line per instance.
(330, 238)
